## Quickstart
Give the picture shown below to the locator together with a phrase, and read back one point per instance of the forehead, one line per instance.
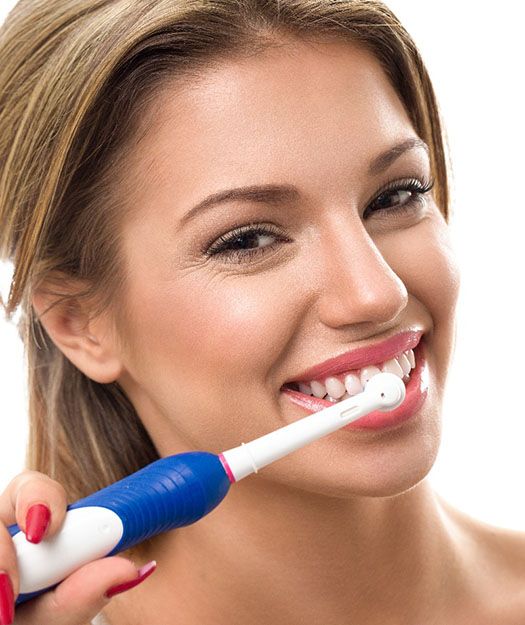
(317, 111)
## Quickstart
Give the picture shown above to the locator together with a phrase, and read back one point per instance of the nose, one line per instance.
(357, 285)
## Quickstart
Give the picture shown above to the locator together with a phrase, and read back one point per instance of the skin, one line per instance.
(346, 529)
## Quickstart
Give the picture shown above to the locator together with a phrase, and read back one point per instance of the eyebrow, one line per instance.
(282, 194)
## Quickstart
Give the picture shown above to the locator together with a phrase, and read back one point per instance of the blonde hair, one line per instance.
(75, 81)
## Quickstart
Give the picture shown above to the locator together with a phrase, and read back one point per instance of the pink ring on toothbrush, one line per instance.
(226, 466)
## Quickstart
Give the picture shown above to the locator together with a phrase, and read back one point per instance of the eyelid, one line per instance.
(419, 186)
(424, 181)
(214, 245)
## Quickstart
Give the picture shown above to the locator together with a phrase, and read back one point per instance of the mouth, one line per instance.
(338, 379)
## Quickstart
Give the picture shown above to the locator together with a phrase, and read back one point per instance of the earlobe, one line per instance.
(89, 343)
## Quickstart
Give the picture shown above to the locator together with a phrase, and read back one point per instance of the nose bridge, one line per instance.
(358, 285)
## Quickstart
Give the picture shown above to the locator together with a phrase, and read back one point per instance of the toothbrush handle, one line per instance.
(168, 493)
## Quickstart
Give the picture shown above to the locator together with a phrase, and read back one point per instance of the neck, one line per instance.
(269, 554)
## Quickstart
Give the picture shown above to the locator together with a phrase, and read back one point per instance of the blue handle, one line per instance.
(168, 493)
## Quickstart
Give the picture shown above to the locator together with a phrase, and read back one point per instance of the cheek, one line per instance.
(424, 259)
(208, 328)
(237, 315)
(427, 265)
(437, 276)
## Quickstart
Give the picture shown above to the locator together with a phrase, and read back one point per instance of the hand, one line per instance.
(79, 597)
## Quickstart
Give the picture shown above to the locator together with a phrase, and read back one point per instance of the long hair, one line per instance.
(76, 77)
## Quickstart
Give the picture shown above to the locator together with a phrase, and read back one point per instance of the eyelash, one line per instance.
(220, 246)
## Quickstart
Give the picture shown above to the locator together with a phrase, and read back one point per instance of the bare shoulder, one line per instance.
(503, 555)
(503, 549)
(496, 557)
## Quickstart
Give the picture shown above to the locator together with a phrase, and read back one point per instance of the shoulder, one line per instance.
(503, 549)
(495, 559)
(502, 553)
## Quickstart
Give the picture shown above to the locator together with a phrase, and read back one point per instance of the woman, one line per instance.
(161, 317)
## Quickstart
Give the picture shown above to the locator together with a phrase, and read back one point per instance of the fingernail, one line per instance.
(7, 600)
(143, 572)
(37, 522)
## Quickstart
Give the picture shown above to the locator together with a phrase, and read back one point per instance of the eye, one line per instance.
(253, 240)
(247, 242)
(400, 197)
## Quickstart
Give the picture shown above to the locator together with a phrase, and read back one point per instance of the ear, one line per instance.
(89, 343)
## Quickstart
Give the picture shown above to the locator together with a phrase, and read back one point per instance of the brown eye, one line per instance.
(249, 240)
(392, 198)
(399, 197)
(246, 242)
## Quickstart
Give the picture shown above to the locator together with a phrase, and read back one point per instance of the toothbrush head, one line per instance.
(389, 390)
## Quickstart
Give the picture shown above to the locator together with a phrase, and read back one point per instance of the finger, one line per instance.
(82, 595)
(29, 489)
(8, 562)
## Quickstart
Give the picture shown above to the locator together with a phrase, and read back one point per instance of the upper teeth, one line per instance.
(346, 385)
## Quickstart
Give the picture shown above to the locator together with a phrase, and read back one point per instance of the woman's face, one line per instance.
(214, 324)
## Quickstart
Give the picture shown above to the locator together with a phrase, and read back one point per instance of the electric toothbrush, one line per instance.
(176, 491)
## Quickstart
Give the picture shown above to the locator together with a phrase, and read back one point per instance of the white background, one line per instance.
(474, 54)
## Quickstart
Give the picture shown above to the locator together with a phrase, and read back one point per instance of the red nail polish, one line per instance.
(37, 522)
(7, 600)
(143, 572)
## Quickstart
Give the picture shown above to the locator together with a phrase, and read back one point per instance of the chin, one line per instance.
(387, 485)
(394, 484)
(369, 469)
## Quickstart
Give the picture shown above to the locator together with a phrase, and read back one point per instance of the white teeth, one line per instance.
(405, 364)
(305, 388)
(353, 384)
(392, 366)
(367, 373)
(334, 387)
(318, 389)
(334, 390)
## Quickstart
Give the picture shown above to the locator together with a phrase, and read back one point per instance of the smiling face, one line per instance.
(218, 316)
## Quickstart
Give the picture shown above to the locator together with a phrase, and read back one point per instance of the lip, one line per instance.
(358, 358)
(416, 393)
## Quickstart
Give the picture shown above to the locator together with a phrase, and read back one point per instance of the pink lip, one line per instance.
(416, 393)
(358, 358)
